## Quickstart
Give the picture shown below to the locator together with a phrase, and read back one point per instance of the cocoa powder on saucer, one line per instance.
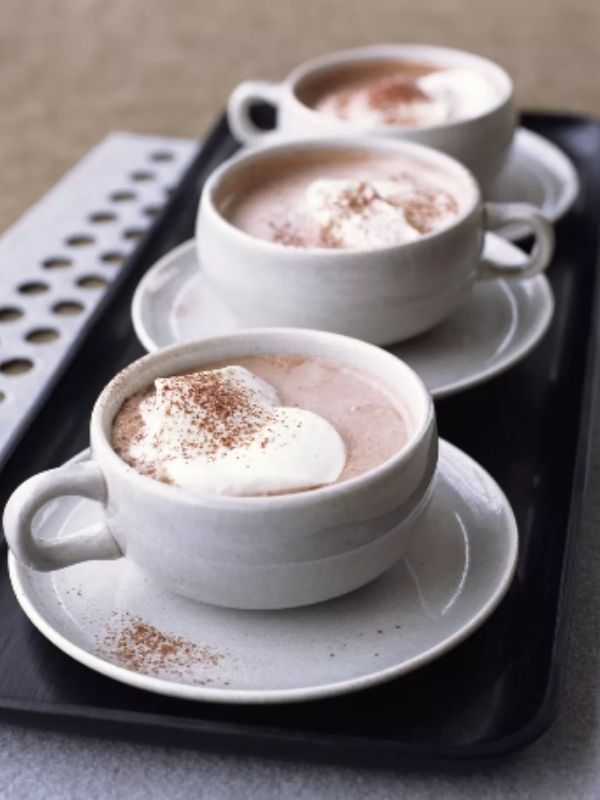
(139, 646)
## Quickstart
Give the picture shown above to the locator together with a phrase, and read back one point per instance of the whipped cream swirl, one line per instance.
(225, 432)
(355, 214)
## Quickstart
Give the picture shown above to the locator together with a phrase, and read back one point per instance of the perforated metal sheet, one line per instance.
(58, 260)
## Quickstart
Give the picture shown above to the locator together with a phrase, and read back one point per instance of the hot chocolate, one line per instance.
(258, 425)
(346, 200)
(401, 93)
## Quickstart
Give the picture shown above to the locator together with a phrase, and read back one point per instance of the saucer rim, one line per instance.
(187, 249)
(513, 357)
(170, 688)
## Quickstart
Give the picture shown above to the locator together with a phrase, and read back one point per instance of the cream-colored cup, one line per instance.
(480, 142)
(244, 552)
(381, 295)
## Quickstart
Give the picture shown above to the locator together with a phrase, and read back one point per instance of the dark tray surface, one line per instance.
(494, 693)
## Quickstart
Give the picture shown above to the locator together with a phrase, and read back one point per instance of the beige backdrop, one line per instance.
(71, 70)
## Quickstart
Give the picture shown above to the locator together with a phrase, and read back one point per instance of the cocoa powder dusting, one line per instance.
(218, 408)
(329, 238)
(391, 92)
(395, 97)
(358, 198)
(285, 233)
(423, 207)
(141, 647)
(364, 413)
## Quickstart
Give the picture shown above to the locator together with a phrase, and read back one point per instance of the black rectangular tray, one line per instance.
(493, 694)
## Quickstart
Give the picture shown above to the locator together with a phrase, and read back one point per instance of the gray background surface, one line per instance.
(74, 70)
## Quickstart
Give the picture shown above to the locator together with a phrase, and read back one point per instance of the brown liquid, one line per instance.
(267, 200)
(362, 410)
(392, 82)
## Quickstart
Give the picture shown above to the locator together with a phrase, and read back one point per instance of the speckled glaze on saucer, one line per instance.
(494, 328)
(454, 574)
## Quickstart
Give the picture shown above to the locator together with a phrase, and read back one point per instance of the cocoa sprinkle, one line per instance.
(391, 92)
(219, 408)
(426, 207)
(139, 646)
(285, 233)
(422, 207)
(358, 198)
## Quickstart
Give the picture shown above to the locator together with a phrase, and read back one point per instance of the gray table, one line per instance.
(565, 763)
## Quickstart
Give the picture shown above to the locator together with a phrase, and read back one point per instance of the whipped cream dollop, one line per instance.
(432, 99)
(354, 214)
(225, 431)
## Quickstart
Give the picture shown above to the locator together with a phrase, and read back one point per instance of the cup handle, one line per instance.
(241, 101)
(94, 542)
(497, 216)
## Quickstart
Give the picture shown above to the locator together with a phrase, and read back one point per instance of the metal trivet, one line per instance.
(58, 260)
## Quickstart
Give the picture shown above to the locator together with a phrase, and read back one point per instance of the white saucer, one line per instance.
(493, 329)
(536, 172)
(455, 573)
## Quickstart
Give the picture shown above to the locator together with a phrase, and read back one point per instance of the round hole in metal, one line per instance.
(33, 287)
(57, 262)
(161, 155)
(42, 335)
(92, 282)
(67, 308)
(101, 217)
(16, 366)
(133, 234)
(112, 257)
(142, 175)
(123, 196)
(80, 240)
(10, 313)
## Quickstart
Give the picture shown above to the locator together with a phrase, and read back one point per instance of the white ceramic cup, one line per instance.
(481, 142)
(381, 295)
(244, 552)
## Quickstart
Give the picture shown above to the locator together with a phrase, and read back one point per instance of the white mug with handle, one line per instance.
(381, 295)
(481, 142)
(261, 552)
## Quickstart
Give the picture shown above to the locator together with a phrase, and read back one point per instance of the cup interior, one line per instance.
(311, 87)
(413, 399)
(312, 80)
(260, 168)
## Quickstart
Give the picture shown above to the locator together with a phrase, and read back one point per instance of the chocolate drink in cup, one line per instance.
(344, 201)
(260, 425)
(401, 93)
